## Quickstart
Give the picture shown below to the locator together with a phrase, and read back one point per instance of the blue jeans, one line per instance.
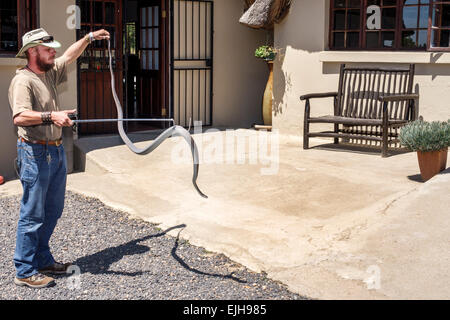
(43, 175)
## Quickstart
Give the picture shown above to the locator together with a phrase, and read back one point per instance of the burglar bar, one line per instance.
(191, 61)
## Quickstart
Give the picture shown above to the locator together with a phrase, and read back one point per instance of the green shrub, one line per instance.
(425, 136)
(267, 53)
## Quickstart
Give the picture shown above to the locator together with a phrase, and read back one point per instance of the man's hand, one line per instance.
(101, 34)
(61, 118)
(75, 50)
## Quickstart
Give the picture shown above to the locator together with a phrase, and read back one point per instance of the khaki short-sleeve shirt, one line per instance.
(38, 92)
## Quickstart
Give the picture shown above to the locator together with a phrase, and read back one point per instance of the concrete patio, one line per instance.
(331, 224)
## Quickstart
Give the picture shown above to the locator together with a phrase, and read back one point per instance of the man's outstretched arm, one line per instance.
(75, 50)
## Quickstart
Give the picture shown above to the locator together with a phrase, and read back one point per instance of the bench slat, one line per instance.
(353, 121)
(331, 134)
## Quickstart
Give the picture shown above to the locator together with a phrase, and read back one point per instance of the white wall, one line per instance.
(307, 68)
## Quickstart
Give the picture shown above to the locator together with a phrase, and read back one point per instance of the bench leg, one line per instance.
(384, 151)
(385, 131)
(305, 136)
(306, 126)
(336, 130)
(384, 145)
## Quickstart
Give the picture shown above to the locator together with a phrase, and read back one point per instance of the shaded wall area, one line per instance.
(239, 78)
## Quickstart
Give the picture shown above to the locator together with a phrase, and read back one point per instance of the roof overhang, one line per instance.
(263, 14)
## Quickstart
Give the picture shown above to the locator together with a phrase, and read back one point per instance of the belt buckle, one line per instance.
(58, 142)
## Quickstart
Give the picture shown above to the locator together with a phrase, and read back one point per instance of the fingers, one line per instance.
(62, 118)
(102, 35)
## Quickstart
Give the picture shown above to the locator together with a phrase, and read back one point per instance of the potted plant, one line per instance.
(431, 142)
(268, 54)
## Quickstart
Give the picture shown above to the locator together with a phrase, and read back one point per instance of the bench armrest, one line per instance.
(318, 95)
(398, 97)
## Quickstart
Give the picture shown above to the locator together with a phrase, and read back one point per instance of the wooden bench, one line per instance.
(370, 104)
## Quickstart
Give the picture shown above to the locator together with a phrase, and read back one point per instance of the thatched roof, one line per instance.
(262, 14)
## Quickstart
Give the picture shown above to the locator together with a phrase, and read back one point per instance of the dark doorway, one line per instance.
(140, 61)
(162, 59)
(146, 58)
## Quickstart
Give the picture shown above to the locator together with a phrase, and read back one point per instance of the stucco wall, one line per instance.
(53, 18)
(306, 67)
(239, 78)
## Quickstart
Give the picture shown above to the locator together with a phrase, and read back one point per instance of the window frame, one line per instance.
(27, 20)
(431, 28)
(398, 29)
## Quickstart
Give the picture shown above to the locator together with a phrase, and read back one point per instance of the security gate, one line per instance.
(191, 64)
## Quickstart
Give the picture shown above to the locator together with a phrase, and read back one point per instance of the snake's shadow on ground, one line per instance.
(100, 262)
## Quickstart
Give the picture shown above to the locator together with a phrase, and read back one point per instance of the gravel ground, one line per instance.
(122, 258)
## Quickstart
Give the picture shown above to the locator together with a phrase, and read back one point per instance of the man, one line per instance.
(33, 97)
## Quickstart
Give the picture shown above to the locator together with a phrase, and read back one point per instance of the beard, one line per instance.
(43, 65)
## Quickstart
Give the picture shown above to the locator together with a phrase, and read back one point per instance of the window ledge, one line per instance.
(385, 57)
(12, 62)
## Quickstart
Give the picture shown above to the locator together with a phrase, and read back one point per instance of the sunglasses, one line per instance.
(46, 39)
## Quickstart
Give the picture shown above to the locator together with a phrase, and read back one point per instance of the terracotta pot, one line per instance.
(443, 158)
(431, 163)
(268, 97)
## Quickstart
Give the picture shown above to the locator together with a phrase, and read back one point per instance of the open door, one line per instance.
(147, 62)
(95, 100)
(151, 76)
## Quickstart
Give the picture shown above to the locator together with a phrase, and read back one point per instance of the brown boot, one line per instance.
(37, 281)
(56, 268)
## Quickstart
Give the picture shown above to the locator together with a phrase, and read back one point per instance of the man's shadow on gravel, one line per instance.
(100, 262)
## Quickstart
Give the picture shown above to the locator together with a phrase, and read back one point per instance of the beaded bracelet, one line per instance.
(46, 117)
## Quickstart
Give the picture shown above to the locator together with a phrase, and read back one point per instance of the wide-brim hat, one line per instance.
(38, 37)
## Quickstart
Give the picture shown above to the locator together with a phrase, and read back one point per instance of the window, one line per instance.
(440, 30)
(16, 18)
(98, 14)
(390, 25)
(149, 44)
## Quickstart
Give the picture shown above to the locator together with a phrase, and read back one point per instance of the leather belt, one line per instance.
(56, 143)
